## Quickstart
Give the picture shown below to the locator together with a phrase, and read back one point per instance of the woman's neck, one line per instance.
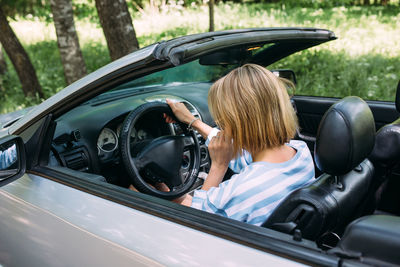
(275, 155)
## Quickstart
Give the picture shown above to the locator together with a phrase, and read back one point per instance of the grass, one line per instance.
(364, 61)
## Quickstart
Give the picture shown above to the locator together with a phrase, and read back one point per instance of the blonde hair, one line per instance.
(253, 106)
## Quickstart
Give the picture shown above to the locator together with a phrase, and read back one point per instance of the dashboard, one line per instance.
(87, 138)
(148, 127)
(108, 138)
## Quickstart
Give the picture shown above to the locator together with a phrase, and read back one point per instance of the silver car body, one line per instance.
(49, 224)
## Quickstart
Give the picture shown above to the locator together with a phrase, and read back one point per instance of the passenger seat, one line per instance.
(386, 158)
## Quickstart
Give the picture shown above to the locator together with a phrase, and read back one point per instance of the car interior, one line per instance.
(120, 138)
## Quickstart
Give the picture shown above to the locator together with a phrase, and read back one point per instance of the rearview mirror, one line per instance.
(286, 74)
(12, 157)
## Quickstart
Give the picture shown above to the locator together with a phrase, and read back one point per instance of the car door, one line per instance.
(50, 219)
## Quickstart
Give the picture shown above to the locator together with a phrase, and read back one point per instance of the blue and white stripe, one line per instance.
(252, 195)
(8, 157)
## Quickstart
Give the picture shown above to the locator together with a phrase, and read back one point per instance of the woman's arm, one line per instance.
(214, 177)
(184, 115)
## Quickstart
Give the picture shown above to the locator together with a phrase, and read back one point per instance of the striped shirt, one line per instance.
(253, 194)
(8, 157)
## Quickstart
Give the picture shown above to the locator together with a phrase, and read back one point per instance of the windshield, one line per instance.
(187, 73)
(207, 69)
(192, 72)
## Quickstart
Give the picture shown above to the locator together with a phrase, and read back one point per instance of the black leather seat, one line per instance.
(386, 158)
(386, 152)
(372, 240)
(344, 140)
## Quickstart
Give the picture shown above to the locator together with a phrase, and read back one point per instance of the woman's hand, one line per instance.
(180, 111)
(185, 200)
(221, 153)
(221, 150)
(184, 115)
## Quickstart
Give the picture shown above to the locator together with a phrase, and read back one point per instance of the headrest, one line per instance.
(398, 97)
(387, 145)
(345, 136)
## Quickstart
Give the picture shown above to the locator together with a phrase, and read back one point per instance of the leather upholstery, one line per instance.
(325, 204)
(345, 136)
(374, 240)
(386, 151)
(387, 145)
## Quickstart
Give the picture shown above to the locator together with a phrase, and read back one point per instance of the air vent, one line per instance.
(8, 124)
(77, 159)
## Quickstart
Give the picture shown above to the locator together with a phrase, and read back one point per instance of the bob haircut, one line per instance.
(252, 106)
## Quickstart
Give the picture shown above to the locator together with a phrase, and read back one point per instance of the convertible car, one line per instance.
(65, 200)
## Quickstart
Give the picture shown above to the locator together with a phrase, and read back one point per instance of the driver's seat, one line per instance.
(344, 140)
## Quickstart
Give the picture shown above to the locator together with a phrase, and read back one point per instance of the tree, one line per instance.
(67, 40)
(117, 27)
(19, 58)
(211, 14)
(3, 65)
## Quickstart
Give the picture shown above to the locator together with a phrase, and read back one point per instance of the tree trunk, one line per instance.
(19, 58)
(211, 14)
(117, 27)
(3, 65)
(67, 40)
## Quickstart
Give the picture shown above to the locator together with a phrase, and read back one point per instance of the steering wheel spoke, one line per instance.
(139, 163)
(188, 141)
(164, 159)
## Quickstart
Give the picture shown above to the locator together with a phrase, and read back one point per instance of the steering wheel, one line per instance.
(171, 159)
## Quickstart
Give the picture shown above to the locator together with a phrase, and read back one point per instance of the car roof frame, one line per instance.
(182, 50)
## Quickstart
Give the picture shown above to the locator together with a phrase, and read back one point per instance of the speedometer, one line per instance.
(133, 132)
(107, 141)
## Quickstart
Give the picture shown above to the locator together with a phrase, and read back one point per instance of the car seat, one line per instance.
(386, 158)
(344, 140)
(386, 151)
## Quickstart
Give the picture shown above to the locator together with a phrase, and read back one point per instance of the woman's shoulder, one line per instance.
(303, 153)
(298, 144)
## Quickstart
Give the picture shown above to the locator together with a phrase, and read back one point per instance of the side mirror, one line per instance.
(12, 157)
(286, 74)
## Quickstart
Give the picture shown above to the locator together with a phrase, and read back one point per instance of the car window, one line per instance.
(206, 69)
(186, 73)
(335, 74)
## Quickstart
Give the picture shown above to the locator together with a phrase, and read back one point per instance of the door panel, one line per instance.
(45, 223)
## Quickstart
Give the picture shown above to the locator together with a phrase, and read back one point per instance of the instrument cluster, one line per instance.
(107, 141)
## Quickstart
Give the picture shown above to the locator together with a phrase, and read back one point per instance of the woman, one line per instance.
(252, 107)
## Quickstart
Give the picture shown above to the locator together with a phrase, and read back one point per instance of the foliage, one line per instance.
(13, 8)
(333, 3)
(324, 73)
(46, 60)
(364, 60)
